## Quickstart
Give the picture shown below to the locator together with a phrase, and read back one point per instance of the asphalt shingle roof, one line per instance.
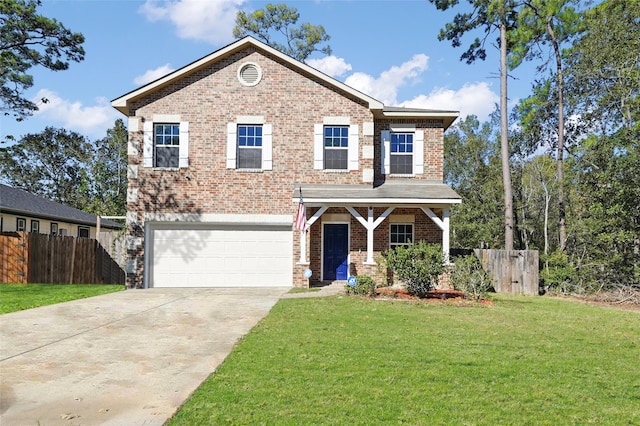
(19, 202)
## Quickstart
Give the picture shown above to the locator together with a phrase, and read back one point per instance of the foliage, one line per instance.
(53, 164)
(65, 167)
(108, 169)
(339, 361)
(468, 276)
(298, 43)
(489, 15)
(365, 286)
(28, 39)
(418, 266)
(17, 297)
(472, 169)
(557, 274)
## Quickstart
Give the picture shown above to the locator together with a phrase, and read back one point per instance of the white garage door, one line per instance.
(221, 256)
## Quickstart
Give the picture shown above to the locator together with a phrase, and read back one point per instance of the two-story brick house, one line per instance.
(220, 149)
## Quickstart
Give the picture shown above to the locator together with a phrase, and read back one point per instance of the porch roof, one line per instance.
(388, 193)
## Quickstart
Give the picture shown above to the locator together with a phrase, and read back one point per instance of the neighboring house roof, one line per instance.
(379, 110)
(19, 202)
(400, 192)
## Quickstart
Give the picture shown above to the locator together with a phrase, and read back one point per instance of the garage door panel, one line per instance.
(221, 256)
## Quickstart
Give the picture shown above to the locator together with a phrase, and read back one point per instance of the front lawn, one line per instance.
(347, 360)
(16, 297)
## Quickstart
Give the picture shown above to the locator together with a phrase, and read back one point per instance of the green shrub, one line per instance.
(557, 273)
(365, 285)
(469, 277)
(418, 266)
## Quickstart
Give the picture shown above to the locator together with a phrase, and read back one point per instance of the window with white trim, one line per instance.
(400, 234)
(336, 144)
(401, 161)
(54, 228)
(166, 142)
(402, 150)
(249, 146)
(21, 224)
(166, 145)
(35, 226)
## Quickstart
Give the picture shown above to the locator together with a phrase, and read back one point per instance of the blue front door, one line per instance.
(335, 251)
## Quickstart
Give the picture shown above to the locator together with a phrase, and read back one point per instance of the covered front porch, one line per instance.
(349, 226)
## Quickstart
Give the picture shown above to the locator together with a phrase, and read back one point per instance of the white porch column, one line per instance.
(443, 224)
(370, 225)
(303, 235)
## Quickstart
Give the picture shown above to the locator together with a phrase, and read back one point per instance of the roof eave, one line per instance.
(447, 117)
(121, 103)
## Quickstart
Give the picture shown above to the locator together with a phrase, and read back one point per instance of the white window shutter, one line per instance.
(232, 131)
(418, 152)
(183, 154)
(147, 144)
(385, 138)
(267, 147)
(354, 147)
(318, 146)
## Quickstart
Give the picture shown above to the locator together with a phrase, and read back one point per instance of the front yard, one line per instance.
(16, 297)
(347, 360)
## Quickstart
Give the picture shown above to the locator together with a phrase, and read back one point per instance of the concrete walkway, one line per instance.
(127, 358)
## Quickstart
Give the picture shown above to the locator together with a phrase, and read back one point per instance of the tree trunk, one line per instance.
(562, 226)
(504, 139)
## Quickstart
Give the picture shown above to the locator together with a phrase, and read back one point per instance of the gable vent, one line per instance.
(249, 74)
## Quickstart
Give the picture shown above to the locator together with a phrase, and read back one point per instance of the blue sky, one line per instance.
(387, 49)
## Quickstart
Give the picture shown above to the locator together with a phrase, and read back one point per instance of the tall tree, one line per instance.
(28, 39)
(52, 164)
(553, 22)
(108, 169)
(603, 67)
(277, 22)
(489, 15)
(472, 163)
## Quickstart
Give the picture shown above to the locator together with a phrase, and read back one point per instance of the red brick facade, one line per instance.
(292, 101)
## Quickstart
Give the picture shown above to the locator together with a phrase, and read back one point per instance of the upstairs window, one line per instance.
(336, 144)
(401, 160)
(35, 226)
(401, 234)
(249, 147)
(54, 228)
(83, 232)
(166, 145)
(21, 224)
(166, 142)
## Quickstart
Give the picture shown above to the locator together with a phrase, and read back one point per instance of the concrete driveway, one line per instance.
(126, 358)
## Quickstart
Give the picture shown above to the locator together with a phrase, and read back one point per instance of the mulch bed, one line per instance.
(433, 296)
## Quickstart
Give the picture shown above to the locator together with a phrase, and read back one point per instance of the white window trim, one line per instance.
(413, 233)
(267, 141)
(353, 143)
(418, 148)
(148, 140)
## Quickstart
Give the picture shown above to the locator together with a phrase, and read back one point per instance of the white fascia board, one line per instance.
(121, 103)
(397, 202)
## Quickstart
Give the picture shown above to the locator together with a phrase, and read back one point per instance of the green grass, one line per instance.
(17, 297)
(350, 361)
(296, 290)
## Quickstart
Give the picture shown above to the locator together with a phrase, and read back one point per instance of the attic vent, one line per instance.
(249, 74)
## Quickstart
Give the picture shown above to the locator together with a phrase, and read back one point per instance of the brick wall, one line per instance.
(210, 98)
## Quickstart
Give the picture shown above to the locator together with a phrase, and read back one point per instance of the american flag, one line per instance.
(301, 216)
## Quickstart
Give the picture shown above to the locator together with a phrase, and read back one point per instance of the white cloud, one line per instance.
(472, 98)
(91, 121)
(210, 21)
(385, 87)
(152, 75)
(330, 65)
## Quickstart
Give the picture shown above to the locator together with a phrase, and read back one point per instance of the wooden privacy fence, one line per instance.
(513, 271)
(42, 258)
